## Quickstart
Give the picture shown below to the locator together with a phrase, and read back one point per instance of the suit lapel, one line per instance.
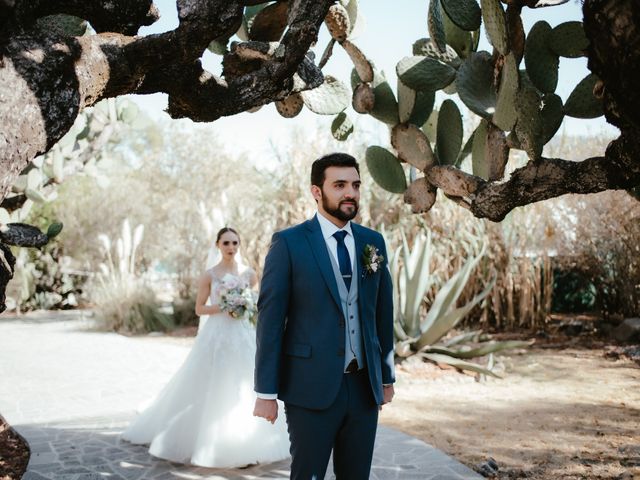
(359, 242)
(321, 254)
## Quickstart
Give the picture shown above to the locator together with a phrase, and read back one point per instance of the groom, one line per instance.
(325, 330)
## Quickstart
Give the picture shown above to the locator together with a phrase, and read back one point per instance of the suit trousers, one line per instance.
(348, 427)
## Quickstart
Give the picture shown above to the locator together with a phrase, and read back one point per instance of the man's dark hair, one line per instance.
(332, 160)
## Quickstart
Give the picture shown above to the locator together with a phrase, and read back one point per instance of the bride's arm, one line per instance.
(253, 278)
(204, 287)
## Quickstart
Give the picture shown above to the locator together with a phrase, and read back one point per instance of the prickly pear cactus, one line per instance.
(514, 103)
(385, 169)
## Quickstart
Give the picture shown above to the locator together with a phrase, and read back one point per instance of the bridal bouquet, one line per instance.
(236, 299)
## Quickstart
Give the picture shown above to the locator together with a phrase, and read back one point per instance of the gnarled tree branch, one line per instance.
(543, 179)
(53, 77)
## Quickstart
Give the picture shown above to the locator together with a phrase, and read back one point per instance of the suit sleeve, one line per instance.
(384, 320)
(273, 304)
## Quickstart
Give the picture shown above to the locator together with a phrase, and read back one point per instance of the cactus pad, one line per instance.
(436, 26)
(464, 13)
(427, 48)
(360, 62)
(54, 229)
(330, 98)
(412, 146)
(364, 98)
(386, 106)
(425, 73)
(475, 84)
(495, 24)
(290, 106)
(541, 62)
(569, 40)
(422, 108)
(341, 127)
(338, 22)
(430, 127)
(582, 103)
(385, 169)
(460, 40)
(421, 195)
(479, 164)
(505, 114)
(529, 124)
(449, 133)
(269, 23)
(552, 115)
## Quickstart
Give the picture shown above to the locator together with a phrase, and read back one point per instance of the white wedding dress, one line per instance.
(204, 415)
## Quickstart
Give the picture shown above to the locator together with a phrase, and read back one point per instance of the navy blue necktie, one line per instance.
(343, 258)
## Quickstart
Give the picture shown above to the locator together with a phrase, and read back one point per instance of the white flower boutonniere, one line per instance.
(371, 260)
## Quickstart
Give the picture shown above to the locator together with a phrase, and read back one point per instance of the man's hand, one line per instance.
(267, 409)
(387, 394)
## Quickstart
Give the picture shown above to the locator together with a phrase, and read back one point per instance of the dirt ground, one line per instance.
(557, 413)
(566, 409)
(560, 411)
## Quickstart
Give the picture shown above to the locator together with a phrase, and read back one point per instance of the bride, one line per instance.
(204, 415)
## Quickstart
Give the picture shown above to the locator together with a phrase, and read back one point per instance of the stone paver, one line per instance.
(70, 391)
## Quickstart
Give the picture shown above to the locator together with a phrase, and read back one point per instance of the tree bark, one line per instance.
(47, 78)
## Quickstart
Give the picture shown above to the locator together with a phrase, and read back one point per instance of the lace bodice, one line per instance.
(243, 279)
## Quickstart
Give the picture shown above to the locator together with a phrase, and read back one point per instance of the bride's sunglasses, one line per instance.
(226, 243)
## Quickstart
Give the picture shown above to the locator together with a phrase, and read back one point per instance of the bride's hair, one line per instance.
(224, 230)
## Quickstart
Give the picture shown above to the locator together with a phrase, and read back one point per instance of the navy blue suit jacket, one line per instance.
(301, 327)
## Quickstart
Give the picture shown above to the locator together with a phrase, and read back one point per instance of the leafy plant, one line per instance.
(422, 334)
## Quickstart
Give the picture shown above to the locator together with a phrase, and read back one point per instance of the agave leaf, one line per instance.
(443, 323)
(418, 279)
(463, 338)
(480, 351)
(461, 364)
(446, 299)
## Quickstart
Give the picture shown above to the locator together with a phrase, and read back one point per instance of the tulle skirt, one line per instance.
(204, 415)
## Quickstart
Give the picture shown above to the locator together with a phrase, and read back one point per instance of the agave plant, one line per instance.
(418, 334)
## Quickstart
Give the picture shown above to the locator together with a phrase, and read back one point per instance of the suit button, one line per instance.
(341, 352)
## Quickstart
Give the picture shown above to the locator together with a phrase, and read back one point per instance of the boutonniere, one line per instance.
(371, 260)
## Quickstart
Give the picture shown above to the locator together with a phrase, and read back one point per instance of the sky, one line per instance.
(386, 36)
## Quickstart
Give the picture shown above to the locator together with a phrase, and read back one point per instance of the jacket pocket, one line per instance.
(301, 350)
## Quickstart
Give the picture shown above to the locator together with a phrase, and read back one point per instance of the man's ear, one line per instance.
(316, 192)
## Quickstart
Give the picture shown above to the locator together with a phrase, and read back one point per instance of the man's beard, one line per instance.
(339, 214)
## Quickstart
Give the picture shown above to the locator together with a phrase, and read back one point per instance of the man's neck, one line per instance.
(336, 221)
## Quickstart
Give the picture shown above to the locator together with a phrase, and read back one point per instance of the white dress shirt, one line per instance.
(328, 228)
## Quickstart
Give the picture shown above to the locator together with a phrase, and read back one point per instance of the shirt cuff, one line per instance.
(387, 384)
(267, 396)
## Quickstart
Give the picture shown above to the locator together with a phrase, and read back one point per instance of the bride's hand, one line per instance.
(267, 409)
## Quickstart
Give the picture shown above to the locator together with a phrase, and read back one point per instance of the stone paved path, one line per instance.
(70, 391)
